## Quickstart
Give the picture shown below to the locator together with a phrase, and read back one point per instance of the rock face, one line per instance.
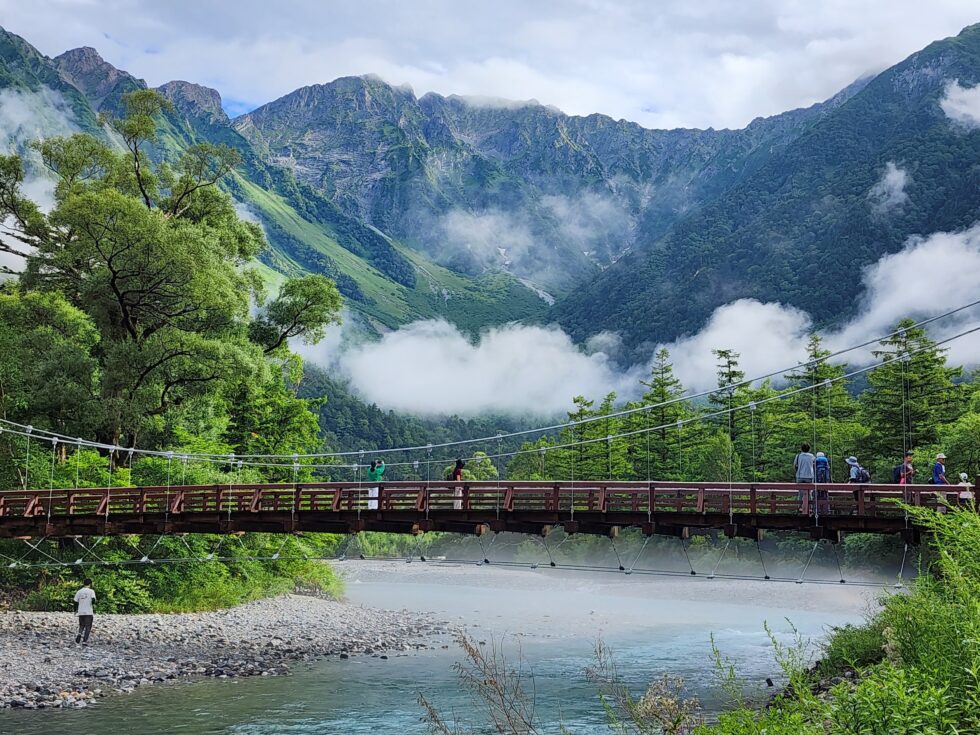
(193, 100)
(479, 184)
(41, 666)
(93, 76)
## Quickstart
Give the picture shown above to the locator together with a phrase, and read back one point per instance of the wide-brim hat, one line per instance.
(940, 456)
(851, 460)
(964, 477)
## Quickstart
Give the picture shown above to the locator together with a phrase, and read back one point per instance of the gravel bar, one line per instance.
(42, 666)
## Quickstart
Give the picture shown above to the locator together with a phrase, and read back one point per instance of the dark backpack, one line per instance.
(897, 474)
(864, 476)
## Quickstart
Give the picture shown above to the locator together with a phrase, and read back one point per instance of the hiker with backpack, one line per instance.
(857, 474)
(821, 467)
(903, 473)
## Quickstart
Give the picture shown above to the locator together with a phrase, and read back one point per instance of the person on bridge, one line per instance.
(939, 471)
(903, 474)
(966, 489)
(822, 467)
(457, 476)
(376, 473)
(83, 601)
(803, 466)
(857, 473)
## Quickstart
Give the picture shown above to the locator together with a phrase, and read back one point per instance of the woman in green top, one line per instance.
(376, 473)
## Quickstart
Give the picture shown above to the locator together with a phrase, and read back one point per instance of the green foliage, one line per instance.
(908, 398)
(918, 659)
(852, 647)
(131, 324)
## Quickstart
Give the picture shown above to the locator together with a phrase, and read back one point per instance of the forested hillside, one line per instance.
(800, 228)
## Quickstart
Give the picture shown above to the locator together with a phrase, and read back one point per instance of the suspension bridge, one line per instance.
(38, 511)
(743, 510)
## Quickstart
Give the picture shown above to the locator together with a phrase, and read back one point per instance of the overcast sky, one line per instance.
(662, 63)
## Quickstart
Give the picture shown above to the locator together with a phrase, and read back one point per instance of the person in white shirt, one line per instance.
(84, 599)
(966, 494)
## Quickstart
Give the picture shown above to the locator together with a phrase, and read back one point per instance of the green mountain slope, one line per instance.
(800, 227)
(475, 185)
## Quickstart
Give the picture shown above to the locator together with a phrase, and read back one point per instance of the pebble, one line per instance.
(41, 666)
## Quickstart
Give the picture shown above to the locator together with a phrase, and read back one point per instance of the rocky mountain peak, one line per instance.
(194, 100)
(92, 75)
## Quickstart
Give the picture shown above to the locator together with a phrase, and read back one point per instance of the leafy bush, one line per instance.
(852, 647)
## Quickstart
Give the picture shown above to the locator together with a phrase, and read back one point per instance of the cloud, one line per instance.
(26, 116)
(430, 367)
(766, 336)
(929, 276)
(962, 104)
(492, 238)
(664, 64)
(525, 370)
(889, 192)
(593, 223)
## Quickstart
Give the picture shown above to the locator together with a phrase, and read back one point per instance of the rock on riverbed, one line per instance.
(41, 666)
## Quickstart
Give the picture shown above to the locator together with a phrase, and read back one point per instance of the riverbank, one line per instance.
(42, 666)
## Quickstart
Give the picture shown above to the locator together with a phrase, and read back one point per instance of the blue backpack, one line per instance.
(823, 469)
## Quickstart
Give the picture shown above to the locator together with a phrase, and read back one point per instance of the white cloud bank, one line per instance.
(431, 368)
(962, 104)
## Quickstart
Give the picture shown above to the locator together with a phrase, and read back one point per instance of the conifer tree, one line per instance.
(909, 395)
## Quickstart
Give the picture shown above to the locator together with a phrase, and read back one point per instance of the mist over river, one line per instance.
(553, 618)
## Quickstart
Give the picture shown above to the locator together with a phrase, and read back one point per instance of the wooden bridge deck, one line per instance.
(670, 508)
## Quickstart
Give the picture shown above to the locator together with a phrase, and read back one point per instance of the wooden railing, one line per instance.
(442, 498)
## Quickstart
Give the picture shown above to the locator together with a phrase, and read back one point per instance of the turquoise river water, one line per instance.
(553, 618)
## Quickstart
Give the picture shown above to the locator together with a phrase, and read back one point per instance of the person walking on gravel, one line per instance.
(83, 600)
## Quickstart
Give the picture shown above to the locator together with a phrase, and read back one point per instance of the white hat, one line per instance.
(964, 477)
(852, 460)
(821, 454)
(940, 456)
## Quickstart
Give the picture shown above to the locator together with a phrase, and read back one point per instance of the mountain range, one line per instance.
(485, 211)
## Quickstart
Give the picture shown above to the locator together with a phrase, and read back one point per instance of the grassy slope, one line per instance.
(468, 303)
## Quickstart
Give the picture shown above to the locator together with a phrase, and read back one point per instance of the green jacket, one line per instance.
(377, 474)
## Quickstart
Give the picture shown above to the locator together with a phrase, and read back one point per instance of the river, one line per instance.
(550, 618)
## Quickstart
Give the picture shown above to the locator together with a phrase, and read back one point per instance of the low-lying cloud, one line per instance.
(962, 104)
(593, 223)
(889, 191)
(432, 368)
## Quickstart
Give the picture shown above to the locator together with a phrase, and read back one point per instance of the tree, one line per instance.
(304, 308)
(660, 444)
(156, 258)
(909, 395)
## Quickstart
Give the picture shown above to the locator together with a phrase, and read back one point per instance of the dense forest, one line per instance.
(911, 400)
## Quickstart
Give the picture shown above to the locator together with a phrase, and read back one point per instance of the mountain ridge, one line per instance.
(635, 230)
